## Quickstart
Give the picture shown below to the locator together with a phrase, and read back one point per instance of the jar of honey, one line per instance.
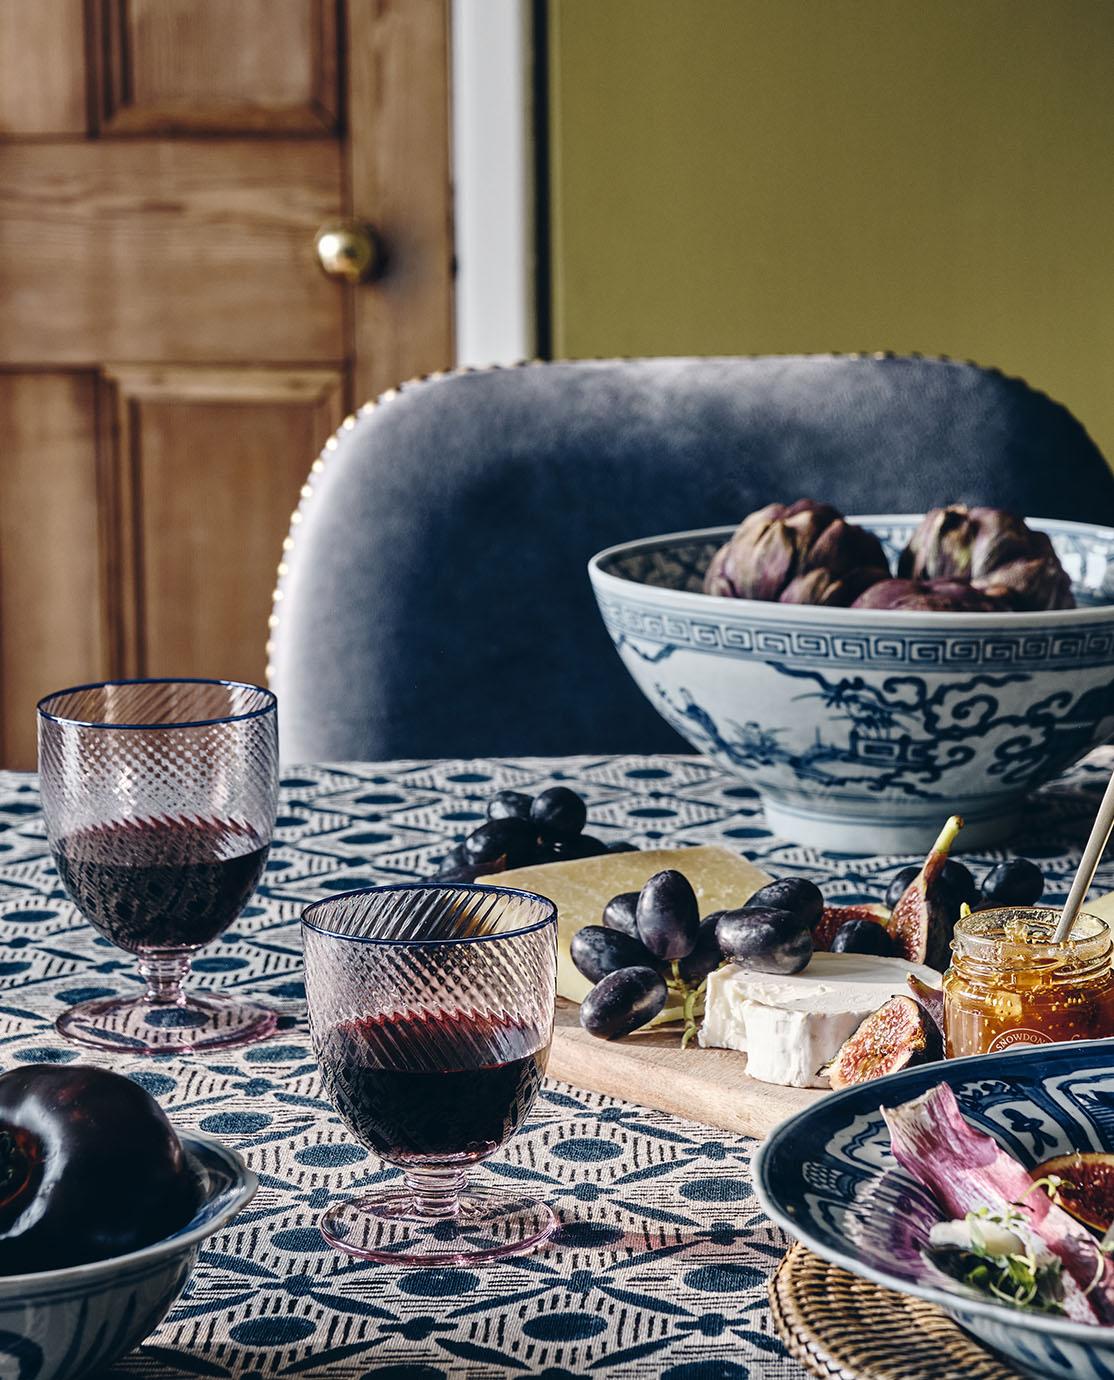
(1010, 985)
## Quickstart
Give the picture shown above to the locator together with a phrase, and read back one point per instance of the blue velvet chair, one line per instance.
(433, 598)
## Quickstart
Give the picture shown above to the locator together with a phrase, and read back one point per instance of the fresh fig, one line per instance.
(955, 877)
(863, 937)
(767, 941)
(930, 999)
(833, 918)
(922, 921)
(896, 1036)
(796, 894)
(1086, 1187)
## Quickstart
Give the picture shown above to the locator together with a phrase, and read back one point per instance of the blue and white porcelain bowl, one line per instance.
(863, 729)
(59, 1324)
(827, 1177)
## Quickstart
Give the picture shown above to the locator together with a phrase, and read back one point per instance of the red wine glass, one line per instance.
(431, 1013)
(159, 798)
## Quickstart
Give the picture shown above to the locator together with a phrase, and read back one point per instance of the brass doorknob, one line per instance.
(349, 250)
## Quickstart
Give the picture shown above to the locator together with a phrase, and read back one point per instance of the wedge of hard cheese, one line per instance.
(581, 889)
(790, 1027)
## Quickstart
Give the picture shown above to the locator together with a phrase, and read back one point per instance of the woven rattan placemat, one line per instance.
(838, 1325)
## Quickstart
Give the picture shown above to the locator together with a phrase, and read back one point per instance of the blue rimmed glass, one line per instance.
(431, 1013)
(159, 798)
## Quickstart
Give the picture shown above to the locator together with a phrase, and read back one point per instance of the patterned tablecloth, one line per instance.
(661, 1262)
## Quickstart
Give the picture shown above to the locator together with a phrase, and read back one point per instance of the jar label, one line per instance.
(1017, 1039)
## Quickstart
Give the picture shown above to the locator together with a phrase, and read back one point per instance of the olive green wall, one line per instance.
(768, 176)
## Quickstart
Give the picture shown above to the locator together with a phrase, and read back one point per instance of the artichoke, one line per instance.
(939, 596)
(993, 549)
(801, 553)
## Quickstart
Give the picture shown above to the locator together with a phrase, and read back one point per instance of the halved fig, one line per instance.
(896, 1036)
(931, 999)
(833, 918)
(923, 920)
(1087, 1187)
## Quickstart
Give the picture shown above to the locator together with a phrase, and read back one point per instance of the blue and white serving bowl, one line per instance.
(827, 1176)
(863, 729)
(59, 1324)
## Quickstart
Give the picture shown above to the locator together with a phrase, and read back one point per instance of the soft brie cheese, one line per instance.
(790, 1027)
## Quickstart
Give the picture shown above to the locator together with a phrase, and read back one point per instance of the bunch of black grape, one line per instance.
(652, 942)
(521, 830)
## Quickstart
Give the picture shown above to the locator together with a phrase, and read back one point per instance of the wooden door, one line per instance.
(171, 355)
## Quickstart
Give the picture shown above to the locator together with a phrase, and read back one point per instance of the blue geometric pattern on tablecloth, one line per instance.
(662, 1259)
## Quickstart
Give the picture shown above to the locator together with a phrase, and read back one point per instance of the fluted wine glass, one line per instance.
(159, 798)
(431, 1013)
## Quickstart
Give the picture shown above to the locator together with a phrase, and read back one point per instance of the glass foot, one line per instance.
(136, 1025)
(486, 1225)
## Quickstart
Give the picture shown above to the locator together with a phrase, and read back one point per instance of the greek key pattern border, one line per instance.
(1079, 647)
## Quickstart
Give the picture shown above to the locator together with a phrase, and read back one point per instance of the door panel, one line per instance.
(53, 589)
(175, 356)
(173, 250)
(210, 465)
(42, 83)
(211, 66)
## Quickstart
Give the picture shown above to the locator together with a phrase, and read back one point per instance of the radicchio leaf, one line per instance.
(967, 1171)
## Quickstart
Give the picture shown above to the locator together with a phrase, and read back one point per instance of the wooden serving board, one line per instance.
(650, 1067)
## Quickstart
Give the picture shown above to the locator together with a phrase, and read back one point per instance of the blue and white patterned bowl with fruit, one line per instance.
(830, 1178)
(862, 728)
(58, 1324)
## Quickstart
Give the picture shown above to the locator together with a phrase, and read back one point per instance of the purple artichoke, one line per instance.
(802, 553)
(995, 550)
(940, 596)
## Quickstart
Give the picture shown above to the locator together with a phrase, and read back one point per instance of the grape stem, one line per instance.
(690, 996)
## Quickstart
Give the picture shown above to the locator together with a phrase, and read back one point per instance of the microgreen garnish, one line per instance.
(1020, 1277)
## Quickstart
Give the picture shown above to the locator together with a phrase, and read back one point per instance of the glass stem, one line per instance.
(435, 1191)
(165, 972)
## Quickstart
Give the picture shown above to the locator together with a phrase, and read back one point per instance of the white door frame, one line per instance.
(493, 100)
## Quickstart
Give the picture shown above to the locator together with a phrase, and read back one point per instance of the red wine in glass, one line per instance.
(448, 1088)
(431, 1013)
(161, 884)
(159, 799)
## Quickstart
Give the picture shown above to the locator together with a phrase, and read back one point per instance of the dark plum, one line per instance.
(769, 941)
(1017, 882)
(509, 805)
(558, 813)
(706, 955)
(620, 913)
(622, 846)
(863, 937)
(597, 951)
(509, 839)
(89, 1168)
(668, 915)
(797, 895)
(623, 1001)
